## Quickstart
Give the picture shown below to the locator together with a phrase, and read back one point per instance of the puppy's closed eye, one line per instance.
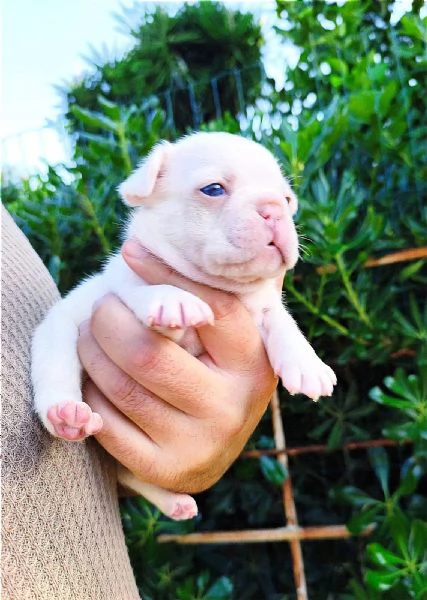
(213, 190)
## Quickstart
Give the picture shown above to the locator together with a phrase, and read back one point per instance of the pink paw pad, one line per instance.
(74, 421)
(184, 508)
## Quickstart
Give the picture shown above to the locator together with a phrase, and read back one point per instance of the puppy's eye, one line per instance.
(288, 199)
(213, 190)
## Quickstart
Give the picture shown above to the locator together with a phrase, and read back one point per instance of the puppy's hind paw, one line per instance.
(183, 507)
(73, 421)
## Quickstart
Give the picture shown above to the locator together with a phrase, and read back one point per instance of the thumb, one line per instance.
(233, 339)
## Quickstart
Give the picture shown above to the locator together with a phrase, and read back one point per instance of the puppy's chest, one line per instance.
(187, 338)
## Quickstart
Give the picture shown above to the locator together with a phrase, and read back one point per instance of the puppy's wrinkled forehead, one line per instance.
(206, 157)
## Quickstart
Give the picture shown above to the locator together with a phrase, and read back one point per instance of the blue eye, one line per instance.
(213, 190)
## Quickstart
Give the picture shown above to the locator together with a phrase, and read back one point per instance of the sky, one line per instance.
(44, 44)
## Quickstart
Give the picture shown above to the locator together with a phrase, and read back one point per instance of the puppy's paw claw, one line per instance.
(73, 421)
(308, 376)
(178, 311)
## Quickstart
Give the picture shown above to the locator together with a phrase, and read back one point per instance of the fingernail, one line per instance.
(133, 249)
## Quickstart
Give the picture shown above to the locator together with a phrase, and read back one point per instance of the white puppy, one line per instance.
(216, 208)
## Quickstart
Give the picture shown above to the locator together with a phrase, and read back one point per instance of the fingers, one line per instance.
(151, 360)
(147, 411)
(234, 341)
(173, 465)
(124, 440)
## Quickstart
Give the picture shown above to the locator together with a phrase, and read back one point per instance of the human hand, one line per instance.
(172, 419)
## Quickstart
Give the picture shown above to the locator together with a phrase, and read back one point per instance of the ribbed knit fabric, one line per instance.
(61, 532)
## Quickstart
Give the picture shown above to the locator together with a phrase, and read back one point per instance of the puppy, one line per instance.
(216, 208)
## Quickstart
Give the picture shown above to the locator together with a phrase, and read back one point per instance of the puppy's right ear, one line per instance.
(139, 186)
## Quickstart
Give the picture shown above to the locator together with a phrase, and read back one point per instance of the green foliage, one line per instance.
(348, 127)
(154, 563)
(177, 56)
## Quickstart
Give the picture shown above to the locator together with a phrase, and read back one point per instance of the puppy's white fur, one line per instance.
(240, 241)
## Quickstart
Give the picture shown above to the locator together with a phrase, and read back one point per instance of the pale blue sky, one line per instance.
(44, 41)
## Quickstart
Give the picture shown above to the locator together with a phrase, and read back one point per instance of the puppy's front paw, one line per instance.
(305, 373)
(73, 421)
(176, 310)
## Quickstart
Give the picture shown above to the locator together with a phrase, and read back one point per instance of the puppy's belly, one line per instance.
(186, 338)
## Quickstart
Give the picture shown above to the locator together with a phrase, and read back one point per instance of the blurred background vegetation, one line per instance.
(346, 118)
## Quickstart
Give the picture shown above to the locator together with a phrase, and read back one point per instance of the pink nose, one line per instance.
(270, 210)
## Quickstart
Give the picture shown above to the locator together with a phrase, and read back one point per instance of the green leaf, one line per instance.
(418, 540)
(354, 496)
(362, 106)
(383, 557)
(380, 397)
(111, 108)
(335, 436)
(361, 520)
(94, 119)
(414, 27)
(401, 432)
(360, 593)
(273, 470)
(398, 525)
(339, 65)
(379, 461)
(55, 266)
(222, 589)
(386, 97)
(381, 581)
(411, 270)
(412, 471)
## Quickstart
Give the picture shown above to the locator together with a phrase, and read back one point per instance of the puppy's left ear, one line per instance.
(139, 186)
(292, 201)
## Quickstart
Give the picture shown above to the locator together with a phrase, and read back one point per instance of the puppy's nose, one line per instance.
(270, 210)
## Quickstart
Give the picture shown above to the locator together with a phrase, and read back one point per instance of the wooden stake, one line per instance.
(250, 536)
(315, 448)
(407, 255)
(288, 501)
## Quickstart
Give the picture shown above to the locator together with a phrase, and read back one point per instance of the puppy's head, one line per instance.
(215, 206)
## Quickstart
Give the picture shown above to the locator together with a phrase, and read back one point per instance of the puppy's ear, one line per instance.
(292, 201)
(139, 186)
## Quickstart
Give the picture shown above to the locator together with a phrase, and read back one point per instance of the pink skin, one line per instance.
(183, 509)
(169, 315)
(74, 421)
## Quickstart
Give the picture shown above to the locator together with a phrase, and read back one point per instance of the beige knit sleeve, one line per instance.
(61, 532)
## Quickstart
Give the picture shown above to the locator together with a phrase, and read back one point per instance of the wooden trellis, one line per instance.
(292, 532)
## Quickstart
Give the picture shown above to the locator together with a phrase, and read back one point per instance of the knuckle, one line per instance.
(126, 392)
(232, 427)
(145, 359)
(230, 418)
